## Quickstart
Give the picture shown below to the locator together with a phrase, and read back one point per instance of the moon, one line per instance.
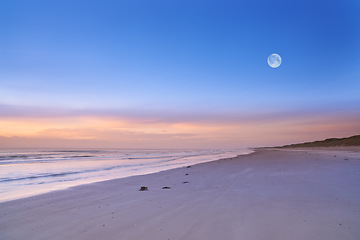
(274, 60)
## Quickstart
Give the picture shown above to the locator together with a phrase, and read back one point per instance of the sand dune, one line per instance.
(330, 142)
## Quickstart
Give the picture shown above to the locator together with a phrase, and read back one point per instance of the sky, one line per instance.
(177, 74)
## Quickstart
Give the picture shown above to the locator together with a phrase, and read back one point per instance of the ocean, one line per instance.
(28, 172)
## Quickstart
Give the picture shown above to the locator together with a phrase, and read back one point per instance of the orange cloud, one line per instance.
(88, 129)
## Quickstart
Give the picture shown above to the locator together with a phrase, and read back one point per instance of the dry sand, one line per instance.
(270, 194)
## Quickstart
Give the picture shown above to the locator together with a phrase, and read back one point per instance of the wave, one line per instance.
(62, 174)
(160, 163)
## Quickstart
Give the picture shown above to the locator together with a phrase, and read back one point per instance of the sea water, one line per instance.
(25, 172)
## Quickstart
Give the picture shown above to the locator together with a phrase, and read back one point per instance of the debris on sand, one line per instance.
(186, 182)
(166, 188)
(143, 188)
(188, 167)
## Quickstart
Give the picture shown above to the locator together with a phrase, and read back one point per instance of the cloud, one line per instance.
(75, 138)
(24, 126)
(173, 116)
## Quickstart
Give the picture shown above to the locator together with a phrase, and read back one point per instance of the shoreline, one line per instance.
(273, 194)
(37, 178)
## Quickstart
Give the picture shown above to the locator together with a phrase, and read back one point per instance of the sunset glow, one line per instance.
(114, 131)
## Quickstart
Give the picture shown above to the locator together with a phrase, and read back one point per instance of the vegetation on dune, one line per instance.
(330, 142)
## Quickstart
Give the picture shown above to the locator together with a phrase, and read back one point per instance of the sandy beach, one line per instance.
(270, 194)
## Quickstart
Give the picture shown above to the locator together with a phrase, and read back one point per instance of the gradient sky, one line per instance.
(177, 74)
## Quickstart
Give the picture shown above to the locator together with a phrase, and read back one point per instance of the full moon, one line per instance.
(274, 60)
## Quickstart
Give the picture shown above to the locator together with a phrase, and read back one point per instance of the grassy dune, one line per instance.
(330, 142)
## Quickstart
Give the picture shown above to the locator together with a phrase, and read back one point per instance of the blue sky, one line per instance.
(193, 58)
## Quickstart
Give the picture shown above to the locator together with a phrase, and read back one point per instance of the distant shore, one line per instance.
(269, 194)
(353, 141)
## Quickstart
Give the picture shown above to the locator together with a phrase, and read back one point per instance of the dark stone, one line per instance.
(143, 188)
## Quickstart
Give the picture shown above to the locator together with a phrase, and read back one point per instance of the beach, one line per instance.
(272, 194)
